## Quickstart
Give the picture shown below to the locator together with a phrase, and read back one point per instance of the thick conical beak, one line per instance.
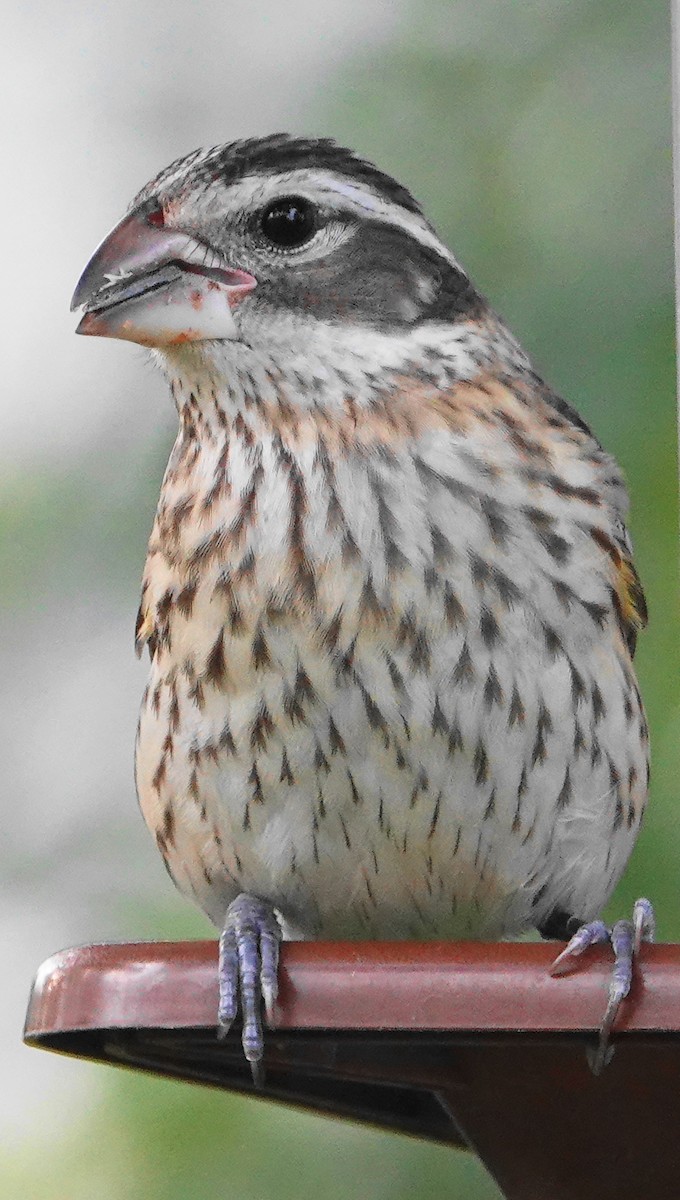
(154, 285)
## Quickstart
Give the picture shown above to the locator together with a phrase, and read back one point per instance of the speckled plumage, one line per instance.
(390, 688)
(389, 597)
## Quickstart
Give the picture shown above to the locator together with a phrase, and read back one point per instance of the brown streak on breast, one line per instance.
(411, 407)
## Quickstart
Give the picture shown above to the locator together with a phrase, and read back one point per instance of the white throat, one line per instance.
(320, 365)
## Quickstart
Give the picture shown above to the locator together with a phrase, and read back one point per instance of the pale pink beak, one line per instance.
(154, 285)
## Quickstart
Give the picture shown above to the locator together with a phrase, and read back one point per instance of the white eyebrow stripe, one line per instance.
(319, 184)
(316, 184)
(358, 195)
(382, 210)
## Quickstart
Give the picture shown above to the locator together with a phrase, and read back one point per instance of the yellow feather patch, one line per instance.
(144, 630)
(631, 605)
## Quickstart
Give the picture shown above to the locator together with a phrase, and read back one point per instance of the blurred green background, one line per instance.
(537, 137)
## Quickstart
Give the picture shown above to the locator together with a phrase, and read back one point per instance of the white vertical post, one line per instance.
(675, 82)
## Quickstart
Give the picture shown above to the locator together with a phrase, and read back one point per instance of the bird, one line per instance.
(389, 600)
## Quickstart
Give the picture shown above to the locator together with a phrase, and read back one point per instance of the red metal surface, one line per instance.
(464, 986)
(467, 1044)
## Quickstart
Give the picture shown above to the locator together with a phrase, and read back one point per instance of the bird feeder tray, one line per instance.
(469, 1044)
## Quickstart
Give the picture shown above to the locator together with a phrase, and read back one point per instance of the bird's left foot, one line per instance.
(248, 965)
(625, 938)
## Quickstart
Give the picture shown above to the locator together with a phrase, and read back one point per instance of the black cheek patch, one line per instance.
(381, 277)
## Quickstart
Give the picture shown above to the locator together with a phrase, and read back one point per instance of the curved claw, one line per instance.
(587, 935)
(644, 923)
(598, 1057)
(248, 963)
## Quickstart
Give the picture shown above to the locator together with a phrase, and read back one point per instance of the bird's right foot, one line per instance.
(625, 938)
(248, 969)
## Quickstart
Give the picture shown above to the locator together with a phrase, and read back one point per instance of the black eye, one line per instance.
(288, 222)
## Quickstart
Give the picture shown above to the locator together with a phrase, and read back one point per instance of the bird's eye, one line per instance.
(288, 222)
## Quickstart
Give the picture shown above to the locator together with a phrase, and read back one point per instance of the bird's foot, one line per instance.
(625, 938)
(248, 964)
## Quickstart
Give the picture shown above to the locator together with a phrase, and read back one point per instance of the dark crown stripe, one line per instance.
(279, 153)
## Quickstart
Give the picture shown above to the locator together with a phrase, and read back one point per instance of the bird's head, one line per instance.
(271, 242)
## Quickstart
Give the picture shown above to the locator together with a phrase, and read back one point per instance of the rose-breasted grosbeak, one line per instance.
(389, 597)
